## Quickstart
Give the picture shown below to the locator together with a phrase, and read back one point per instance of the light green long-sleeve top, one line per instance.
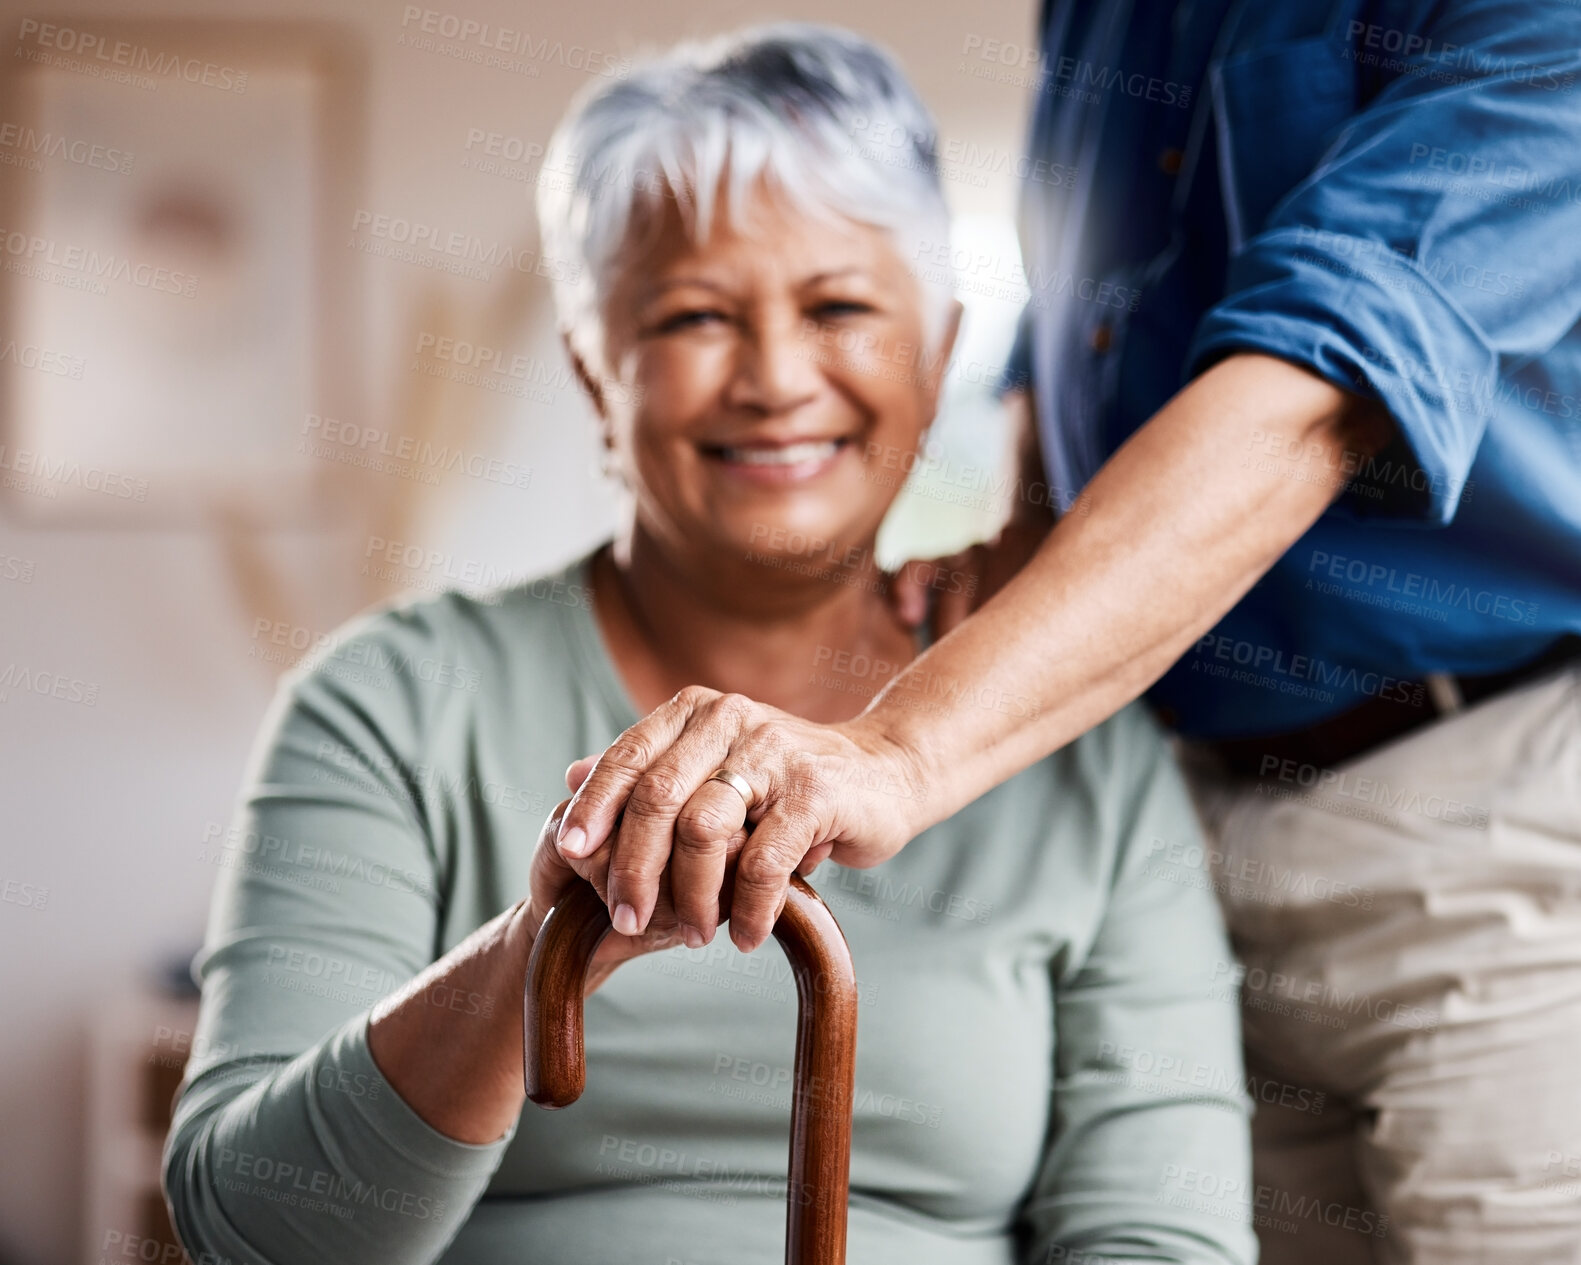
(1048, 1065)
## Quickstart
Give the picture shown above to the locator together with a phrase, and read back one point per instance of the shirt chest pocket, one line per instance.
(1276, 111)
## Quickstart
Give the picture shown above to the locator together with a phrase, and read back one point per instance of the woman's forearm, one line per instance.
(1172, 531)
(325, 1164)
(450, 1042)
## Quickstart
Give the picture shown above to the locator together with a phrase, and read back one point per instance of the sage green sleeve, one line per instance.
(1149, 1091)
(288, 1146)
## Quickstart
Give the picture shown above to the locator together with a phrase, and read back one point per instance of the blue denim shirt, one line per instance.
(1388, 193)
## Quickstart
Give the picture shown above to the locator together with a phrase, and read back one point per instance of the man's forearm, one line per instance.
(1172, 531)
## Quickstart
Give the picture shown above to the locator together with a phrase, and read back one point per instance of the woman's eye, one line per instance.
(691, 318)
(835, 309)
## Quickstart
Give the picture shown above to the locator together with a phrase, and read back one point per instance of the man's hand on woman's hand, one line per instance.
(652, 827)
(646, 812)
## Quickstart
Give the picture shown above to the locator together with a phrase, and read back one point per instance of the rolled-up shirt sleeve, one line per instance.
(1438, 238)
(288, 1145)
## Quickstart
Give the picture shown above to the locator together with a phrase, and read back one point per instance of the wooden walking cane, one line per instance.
(820, 1138)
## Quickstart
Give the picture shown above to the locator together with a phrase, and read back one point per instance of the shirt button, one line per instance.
(1169, 161)
(1102, 337)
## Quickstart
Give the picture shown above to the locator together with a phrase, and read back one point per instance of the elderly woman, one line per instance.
(1048, 1065)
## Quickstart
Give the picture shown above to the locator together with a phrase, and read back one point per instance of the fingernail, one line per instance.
(573, 842)
(625, 920)
(692, 936)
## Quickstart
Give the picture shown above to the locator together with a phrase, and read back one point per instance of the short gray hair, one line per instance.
(825, 115)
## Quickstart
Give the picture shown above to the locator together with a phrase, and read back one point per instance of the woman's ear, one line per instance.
(940, 360)
(590, 383)
(595, 392)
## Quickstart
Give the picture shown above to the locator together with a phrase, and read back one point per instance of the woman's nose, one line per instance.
(776, 369)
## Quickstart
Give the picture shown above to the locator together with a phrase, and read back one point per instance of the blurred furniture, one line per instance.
(136, 1052)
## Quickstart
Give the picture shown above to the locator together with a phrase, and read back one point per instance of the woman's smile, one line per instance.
(778, 463)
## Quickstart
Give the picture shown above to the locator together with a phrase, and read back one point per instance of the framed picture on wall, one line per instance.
(177, 289)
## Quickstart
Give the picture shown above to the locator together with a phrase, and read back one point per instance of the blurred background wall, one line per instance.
(277, 345)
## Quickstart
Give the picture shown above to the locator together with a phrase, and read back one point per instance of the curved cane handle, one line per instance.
(555, 1065)
(553, 1062)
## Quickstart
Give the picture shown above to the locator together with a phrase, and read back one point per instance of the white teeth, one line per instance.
(789, 455)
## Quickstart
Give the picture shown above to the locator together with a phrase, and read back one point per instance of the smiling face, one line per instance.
(777, 376)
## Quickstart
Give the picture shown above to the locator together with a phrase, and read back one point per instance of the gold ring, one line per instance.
(735, 782)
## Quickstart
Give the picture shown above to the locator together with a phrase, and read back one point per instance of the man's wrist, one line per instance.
(905, 749)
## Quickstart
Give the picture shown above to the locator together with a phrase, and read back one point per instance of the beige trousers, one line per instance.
(1408, 929)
